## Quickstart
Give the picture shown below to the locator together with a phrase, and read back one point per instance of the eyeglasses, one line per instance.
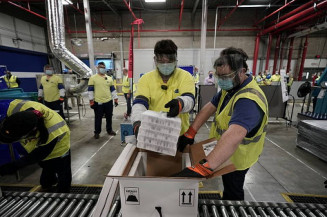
(226, 76)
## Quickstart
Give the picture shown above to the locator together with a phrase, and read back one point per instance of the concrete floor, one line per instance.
(282, 167)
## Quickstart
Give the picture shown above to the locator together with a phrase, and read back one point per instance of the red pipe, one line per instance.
(276, 54)
(303, 58)
(180, 15)
(290, 53)
(255, 55)
(304, 13)
(130, 9)
(279, 9)
(268, 52)
(297, 23)
(281, 56)
(230, 13)
(25, 9)
(301, 8)
(169, 30)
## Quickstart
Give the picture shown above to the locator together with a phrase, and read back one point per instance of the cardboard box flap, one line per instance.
(152, 178)
(198, 152)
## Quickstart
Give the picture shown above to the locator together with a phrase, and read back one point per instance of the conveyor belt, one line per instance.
(220, 208)
(32, 204)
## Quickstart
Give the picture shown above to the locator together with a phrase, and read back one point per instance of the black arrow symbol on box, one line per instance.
(190, 196)
(183, 194)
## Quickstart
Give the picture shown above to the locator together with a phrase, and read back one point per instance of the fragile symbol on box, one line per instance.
(132, 196)
(186, 197)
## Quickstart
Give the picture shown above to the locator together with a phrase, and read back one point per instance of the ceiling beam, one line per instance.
(111, 7)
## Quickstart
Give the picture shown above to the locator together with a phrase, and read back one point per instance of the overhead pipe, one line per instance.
(304, 20)
(203, 38)
(130, 9)
(214, 38)
(87, 14)
(56, 34)
(290, 53)
(295, 11)
(170, 30)
(229, 14)
(276, 11)
(93, 19)
(28, 10)
(255, 55)
(320, 6)
(276, 54)
(281, 55)
(268, 51)
(180, 14)
(304, 54)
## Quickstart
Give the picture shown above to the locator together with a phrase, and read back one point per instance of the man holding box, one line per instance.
(239, 126)
(167, 88)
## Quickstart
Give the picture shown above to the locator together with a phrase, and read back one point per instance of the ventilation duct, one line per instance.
(56, 34)
(308, 31)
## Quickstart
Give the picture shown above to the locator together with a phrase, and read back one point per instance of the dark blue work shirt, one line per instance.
(246, 113)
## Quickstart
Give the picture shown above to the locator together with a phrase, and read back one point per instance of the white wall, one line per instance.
(32, 36)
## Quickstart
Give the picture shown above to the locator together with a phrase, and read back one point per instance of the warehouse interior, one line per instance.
(286, 38)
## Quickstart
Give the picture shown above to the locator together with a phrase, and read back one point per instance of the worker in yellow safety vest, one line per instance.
(167, 88)
(241, 117)
(46, 138)
(11, 80)
(127, 92)
(52, 90)
(275, 77)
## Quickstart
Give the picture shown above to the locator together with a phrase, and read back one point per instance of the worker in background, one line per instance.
(196, 78)
(167, 88)
(267, 80)
(289, 80)
(241, 117)
(11, 80)
(127, 93)
(101, 95)
(275, 77)
(260, 78)
(52, 91)
(46, 138)
(210, 80)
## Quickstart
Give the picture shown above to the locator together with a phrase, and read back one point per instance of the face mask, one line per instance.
(166, 68)
(225, 84)
(102, 70)
(49, 72)
(210, 76)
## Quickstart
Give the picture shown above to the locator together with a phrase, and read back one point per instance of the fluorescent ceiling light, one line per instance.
(67, 2)
(155, 1)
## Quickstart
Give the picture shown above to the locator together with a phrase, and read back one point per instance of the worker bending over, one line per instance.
(46, 138)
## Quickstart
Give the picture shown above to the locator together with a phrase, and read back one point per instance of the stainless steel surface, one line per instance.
(205, 211)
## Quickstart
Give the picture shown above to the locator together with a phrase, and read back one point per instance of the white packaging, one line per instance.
(159, 133)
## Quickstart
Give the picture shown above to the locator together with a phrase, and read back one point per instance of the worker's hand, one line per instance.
(198, 170)
(136, 127)
(116, 102)
(40, 99)
(186, 139)
(7, 169)
(92, 104)
(175, 106)
(61, 100)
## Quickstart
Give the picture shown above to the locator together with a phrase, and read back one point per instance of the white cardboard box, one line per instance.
(149, 185)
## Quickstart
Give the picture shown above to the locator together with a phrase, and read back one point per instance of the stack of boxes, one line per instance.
(159, 133)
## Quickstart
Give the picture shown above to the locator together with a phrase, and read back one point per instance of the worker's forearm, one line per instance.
(226, 146)
(208, 110)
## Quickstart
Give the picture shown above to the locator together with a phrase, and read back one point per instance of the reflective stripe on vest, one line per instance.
(18, 107)
(56, 126)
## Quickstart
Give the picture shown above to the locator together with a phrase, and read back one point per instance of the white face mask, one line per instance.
(49, 72)
(102, 70)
